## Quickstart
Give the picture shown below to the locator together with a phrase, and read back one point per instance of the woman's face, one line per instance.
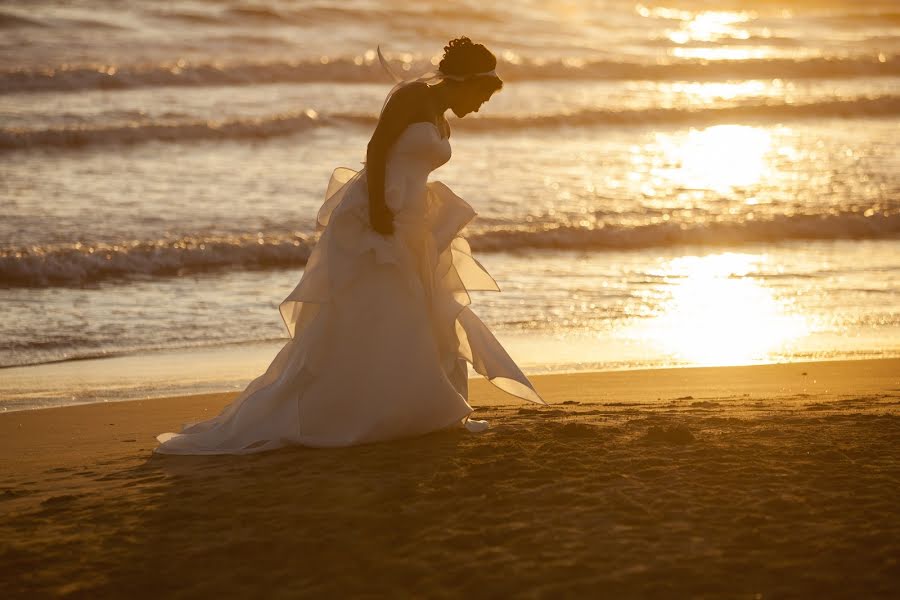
(469, 97)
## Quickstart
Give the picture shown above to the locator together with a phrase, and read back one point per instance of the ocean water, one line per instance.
(685, 183)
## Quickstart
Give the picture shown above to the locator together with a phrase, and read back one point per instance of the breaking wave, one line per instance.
(728, 233)
(234, 129)
(83, 264)
(359, 69)
(288, 124)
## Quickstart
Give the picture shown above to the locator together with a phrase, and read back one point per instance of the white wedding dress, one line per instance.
(380, 325)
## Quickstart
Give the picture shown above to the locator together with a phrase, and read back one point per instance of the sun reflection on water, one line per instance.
(711, 26)
(717, 313)
(727, 53)
(705, 93)
(700, 34)
(719, 158)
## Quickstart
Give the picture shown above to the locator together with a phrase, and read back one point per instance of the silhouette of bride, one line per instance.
(380, 325)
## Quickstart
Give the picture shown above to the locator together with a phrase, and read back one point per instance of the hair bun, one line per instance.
(460, 42)
(464, 57)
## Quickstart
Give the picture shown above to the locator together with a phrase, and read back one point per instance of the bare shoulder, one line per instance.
(410, 100)
(406, 105)
(412, 91)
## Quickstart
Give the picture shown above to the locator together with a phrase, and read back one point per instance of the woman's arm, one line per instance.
(405, 106)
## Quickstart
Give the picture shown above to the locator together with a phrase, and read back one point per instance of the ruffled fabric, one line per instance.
(430, 245)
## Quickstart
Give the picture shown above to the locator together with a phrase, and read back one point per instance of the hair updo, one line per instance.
(462, 57)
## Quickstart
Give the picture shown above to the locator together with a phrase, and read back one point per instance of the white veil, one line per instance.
(429, 78)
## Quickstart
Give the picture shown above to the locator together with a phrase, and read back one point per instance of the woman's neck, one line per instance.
(440, 97)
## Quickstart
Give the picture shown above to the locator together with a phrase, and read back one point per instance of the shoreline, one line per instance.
(228, 368)
(787, 383)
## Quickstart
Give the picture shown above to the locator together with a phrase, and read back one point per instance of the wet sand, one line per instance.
(742, 482)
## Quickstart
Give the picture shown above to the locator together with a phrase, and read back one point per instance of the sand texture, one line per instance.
(750, 482)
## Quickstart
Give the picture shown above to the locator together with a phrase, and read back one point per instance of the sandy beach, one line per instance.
(189, 188)
(742, 482)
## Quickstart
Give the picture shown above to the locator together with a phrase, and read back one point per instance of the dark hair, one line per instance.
(463, 57)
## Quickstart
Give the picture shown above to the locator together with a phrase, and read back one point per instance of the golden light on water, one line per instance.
(702, 26)
(706, 93)
(689, 29)
(707, 53)
(718, 158)
(718, 314)
(710, 26)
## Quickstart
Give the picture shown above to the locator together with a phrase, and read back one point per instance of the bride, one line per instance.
(381, 331)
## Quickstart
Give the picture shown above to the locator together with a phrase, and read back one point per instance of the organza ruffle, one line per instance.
(428, 246)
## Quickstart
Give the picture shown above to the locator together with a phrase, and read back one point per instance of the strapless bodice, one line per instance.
(421, 147)
(418, 151)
